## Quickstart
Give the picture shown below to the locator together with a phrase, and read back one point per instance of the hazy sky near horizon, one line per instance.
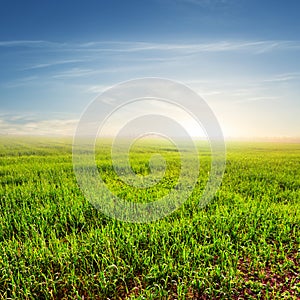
(242, 57)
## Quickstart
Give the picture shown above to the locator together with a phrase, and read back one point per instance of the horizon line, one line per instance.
(283, 139)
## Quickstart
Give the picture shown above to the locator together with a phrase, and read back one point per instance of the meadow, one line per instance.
(243, 245)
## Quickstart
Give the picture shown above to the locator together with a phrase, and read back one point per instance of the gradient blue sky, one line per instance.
(242, 57)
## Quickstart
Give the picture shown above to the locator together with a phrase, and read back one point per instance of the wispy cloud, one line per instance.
(31, 124)
(75, 72)
(257, 98)
(238, 91)
(123, 46)
(97, 89)
(284, 77)
(189, 48)
(54, 63)
(80, 72)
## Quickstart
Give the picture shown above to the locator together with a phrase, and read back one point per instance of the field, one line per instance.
(56, 245)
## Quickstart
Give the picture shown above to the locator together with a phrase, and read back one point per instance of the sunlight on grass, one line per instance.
(55, 244)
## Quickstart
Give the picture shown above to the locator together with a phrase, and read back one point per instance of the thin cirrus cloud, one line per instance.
(75, 72)
(257, 98)
(54, 63)
(79, 72)
(189, 48)
(235, 77)
(284, 77)
(259, 46)
(161, 53)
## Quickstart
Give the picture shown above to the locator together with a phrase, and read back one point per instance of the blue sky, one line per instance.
(242, 57)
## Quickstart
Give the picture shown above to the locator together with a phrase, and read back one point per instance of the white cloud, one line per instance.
(189, 48)
(31, 124)
(54, 63)
(80, 72)
(257, 98)
(123, 46)
(284, 77)
(97, 89)
(75, 72)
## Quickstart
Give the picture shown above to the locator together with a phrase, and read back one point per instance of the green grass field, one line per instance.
(56, 245)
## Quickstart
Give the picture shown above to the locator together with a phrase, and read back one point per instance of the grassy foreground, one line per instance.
(55, 245)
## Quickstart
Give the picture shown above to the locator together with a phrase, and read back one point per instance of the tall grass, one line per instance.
(56, 245)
